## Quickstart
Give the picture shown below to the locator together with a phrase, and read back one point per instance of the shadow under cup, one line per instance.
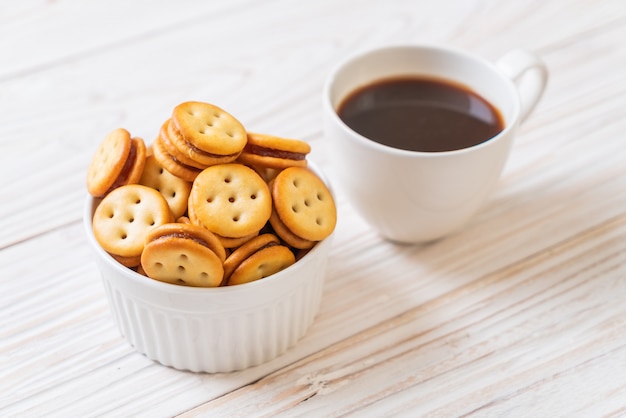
(412, 196)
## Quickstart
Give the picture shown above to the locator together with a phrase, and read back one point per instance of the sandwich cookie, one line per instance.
(304, 209)
(274, 152)
(171, 163)
(165, 137)
(119, 160)
(260, 257)
(230, 200)
(227, 242)
(183, 254)
(206, 133)
(123, 219)
(230, 243)
(286, 235)
(174, 189)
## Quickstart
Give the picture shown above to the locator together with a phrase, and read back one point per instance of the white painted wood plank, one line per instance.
(363, 263)
(501, 316)
(36, 35)
(474, 349)
(53, 132)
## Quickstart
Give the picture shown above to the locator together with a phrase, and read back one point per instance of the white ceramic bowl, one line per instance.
(212, 330)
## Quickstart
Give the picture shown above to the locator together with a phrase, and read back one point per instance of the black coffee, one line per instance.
(421, 114)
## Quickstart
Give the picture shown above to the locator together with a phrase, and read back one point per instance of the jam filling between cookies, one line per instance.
(206, 153)
(271, 152)
(183, 235)
(122, 178)
(172, 130)
(177, 161)
(262, 247)
(200, 151)
(256, 250)
(283, 231)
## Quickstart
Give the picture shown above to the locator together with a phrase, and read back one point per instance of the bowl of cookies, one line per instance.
(212, 242)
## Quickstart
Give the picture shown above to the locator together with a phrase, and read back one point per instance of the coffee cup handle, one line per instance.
(530, 75)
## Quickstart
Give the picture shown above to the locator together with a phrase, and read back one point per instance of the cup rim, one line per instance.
(355, 136)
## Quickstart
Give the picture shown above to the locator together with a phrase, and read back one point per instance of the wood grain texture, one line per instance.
(520, 314)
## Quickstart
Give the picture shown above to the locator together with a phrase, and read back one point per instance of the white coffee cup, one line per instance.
(410, 196)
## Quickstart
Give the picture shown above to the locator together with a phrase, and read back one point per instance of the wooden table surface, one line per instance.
(522, 313)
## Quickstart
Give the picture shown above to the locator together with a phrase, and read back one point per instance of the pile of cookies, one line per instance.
(208, 204)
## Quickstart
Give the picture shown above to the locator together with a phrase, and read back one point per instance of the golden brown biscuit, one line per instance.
(125, 216)
(140, 270)
(174, 189)
(108, 162)
(165, 138)
(133, 167)
(286, 235)
(127, 261)
(171, 164)
(184, 254)
(236, 242)
(258, 258)
(190, 154)
(266, 173)
(230, 200)
(270, 151)
(303, 203)
(138, 155)
(227, 242)
(207, 128)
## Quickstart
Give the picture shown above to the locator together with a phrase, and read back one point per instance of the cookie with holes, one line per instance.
(206, 133)
(123, 219)
(171, 163)
(165, 138)
(287, 236)
(119, 160)
(260, 257)
(304, 208)
(230, 200)
(183, 254)
(174, 189)
(227, 242)
(274, 152)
